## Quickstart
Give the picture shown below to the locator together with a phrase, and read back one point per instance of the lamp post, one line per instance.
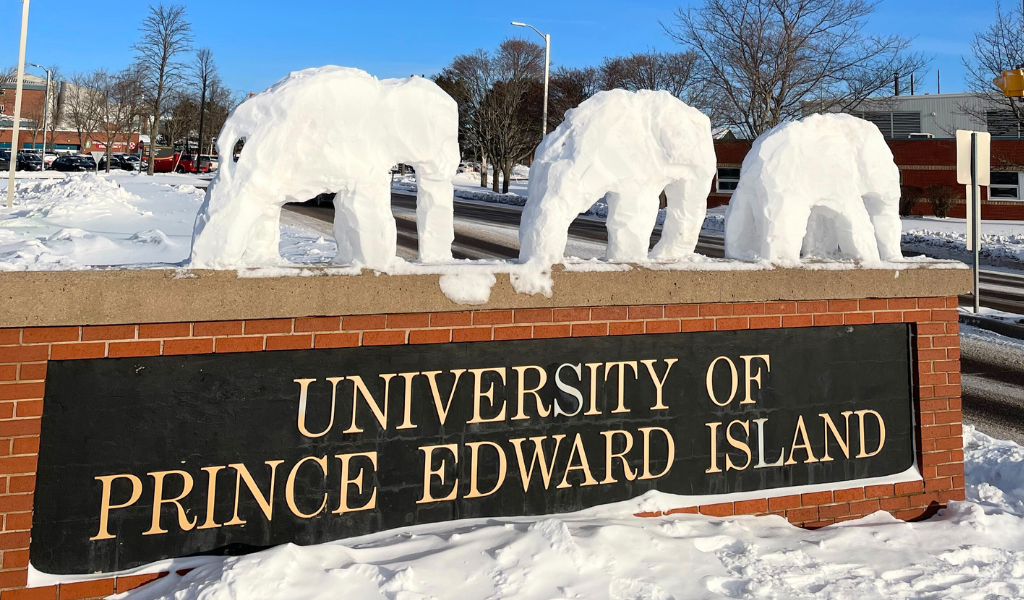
(547, 69)
(46, 107)
(17, 104)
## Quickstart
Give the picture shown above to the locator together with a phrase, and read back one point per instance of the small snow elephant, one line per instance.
(331, 129)
(825, 187)
(627, 147)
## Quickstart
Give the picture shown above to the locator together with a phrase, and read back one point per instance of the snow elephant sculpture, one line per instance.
(825, 186)
(331, 129)
(627, 147)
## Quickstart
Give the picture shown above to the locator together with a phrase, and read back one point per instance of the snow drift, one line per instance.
(331, 129)
(825, 186)
(627, 147)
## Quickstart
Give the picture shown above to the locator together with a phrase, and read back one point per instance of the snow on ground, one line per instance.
(971, 550)
(1002, 242)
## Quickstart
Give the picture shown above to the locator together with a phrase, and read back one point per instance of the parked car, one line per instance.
(5, 160)
(211, 161)
(117, 163)
(29, 161)
(73, 163)
(134, 159)
(186, 163)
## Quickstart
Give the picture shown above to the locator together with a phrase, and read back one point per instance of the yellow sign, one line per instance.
(1011, 82)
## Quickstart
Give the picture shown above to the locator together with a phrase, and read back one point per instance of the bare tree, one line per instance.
(569, 88)
(218, 106)
(56, 115)
(468, 79)
(999, 47)
(182, 121)
(82, 106)
(165, 34)
(119, 103)
(676, 73)
(204, 71)
(763, 57)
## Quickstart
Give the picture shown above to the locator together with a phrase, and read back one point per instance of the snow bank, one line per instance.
(825, 187)
(625, 147)
(972, 550)
(331, 129)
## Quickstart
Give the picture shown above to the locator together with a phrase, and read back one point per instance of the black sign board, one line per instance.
(143, 459)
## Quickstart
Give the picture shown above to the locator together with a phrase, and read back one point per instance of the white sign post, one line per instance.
(96, 156)
(973, 164)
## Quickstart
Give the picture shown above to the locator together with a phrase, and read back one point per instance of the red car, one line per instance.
(186, 163)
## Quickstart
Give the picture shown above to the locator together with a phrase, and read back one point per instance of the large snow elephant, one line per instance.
(823, 187)
(331, 129)
(627, 147)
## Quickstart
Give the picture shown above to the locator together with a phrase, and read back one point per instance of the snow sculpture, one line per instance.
(627, 146)
(826, 186)
(331, 129)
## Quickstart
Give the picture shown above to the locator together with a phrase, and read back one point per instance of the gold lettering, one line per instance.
(359, 389)
(881, 433)
(568, 389)
(428, 472)
(346, 481)
(801, 432)
(211, 495)
(593, 388)
(622, 380)
(266, 504)
(627, 472)
(729, 466)
(584, 466)
(474, 452)
(489, 394)
(659, 384)
(714, 448)
(708, 381)
(442, 411)
(106, 506)
(538, 456)
(159, 500)
(844, 444)
(303, 390)
(407, 421)
(542, 411)
(760, 448)
(670, 455)
(289, 487)
(757, 378)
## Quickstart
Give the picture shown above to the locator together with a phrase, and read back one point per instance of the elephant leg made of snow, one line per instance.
(839, 229)
(246, 233)
(435, 221)
(364, 226)
(632, 214)
(888, 227)
(683, 221)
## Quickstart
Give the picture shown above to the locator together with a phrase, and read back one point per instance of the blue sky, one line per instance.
(256, 42)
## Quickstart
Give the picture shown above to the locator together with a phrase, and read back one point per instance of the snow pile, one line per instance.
(331, 129)
(995, 249)
(84, 197)
(972, 550)
(625, 147)
(824, 187)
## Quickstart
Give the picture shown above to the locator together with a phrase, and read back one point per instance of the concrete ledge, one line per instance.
(42, 298)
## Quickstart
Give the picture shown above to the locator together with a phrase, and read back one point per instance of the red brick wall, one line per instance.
(24, 354)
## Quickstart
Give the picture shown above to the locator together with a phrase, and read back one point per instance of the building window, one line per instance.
(1004, 185)
(898, 125)
(728, 179)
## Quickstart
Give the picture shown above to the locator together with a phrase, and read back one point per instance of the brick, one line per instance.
(949, 416)
(40, 593)
(687, 510)
(953, 328)
(828, 320)
(164, 330)
(773, 322)
(239, 344)
(407, 321)
(647, 514)
(816, 498)
(931, 303)
(864, 507)
(311, 324)
(876, 491)
(21, 391)
(908, 487)
(46, 335)
(931, 353)
(715, 310)
(747, 309)
(779, 308)
(358, 322)
(784, 502)
(749, 507)
(953, 353)
(902, 303)
(19, 427)
(15, 503)
(218, 328)
(430, 336)
(894, 503)
(15, 559)
(18, 521)
(532, 315)
(592, 329)
(472, 334)
(29, 408)
(923, 499)
(724, 509)
(947, 366)
(6, 412)
(938, 484)
(950, 470)
(849, 495)
(15, 540)
(123, 349)
(934, 404)
(832, 511)
(931, 378)
(858, 318)
(952, 495)
(687, 325)
(551, 331)
(626, 328)
(666, 326)
(451, 319)
(731, 323)
(873, 304)
(646, 312)
(492, 317)
(888, 317)
(189, 346)
(108, 332)
(946, 341)
(945, 315)
(78, 350)
(131, 582)
(842, 305)
(570, 314)
(947, 391)
(917, 316)
(290, 342)
(815, 306)
(12, 465)
(515, 332)
(799, 515)
(609, 313)
(390, 337)
(267, 326)
(86, 589)
(682, 310)
(931, 329)
(336, 340)
(13, 354)
(8, 372)
(797, 321)
(10, 337)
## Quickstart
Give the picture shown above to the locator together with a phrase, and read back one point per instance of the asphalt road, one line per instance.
(992, 380)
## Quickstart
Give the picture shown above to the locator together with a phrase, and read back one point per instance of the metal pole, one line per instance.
(46, 107)
(975, 234)
(547, 69)
(17, 104)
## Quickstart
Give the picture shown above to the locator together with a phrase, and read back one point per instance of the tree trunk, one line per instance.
(202, 114)
(483, 168)
(109, 144)
(494, 187)
(152, 135)
(506, 175)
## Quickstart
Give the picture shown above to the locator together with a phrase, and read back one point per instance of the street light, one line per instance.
(547, 68)
(46, 106)
(17, 103)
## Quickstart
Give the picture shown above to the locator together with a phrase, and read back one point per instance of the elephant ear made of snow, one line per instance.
(331, 130)
(822, 187)
(626, 147)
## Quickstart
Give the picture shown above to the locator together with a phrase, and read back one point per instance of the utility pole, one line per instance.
(17, 104)
(547, 70)
(46, 107)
